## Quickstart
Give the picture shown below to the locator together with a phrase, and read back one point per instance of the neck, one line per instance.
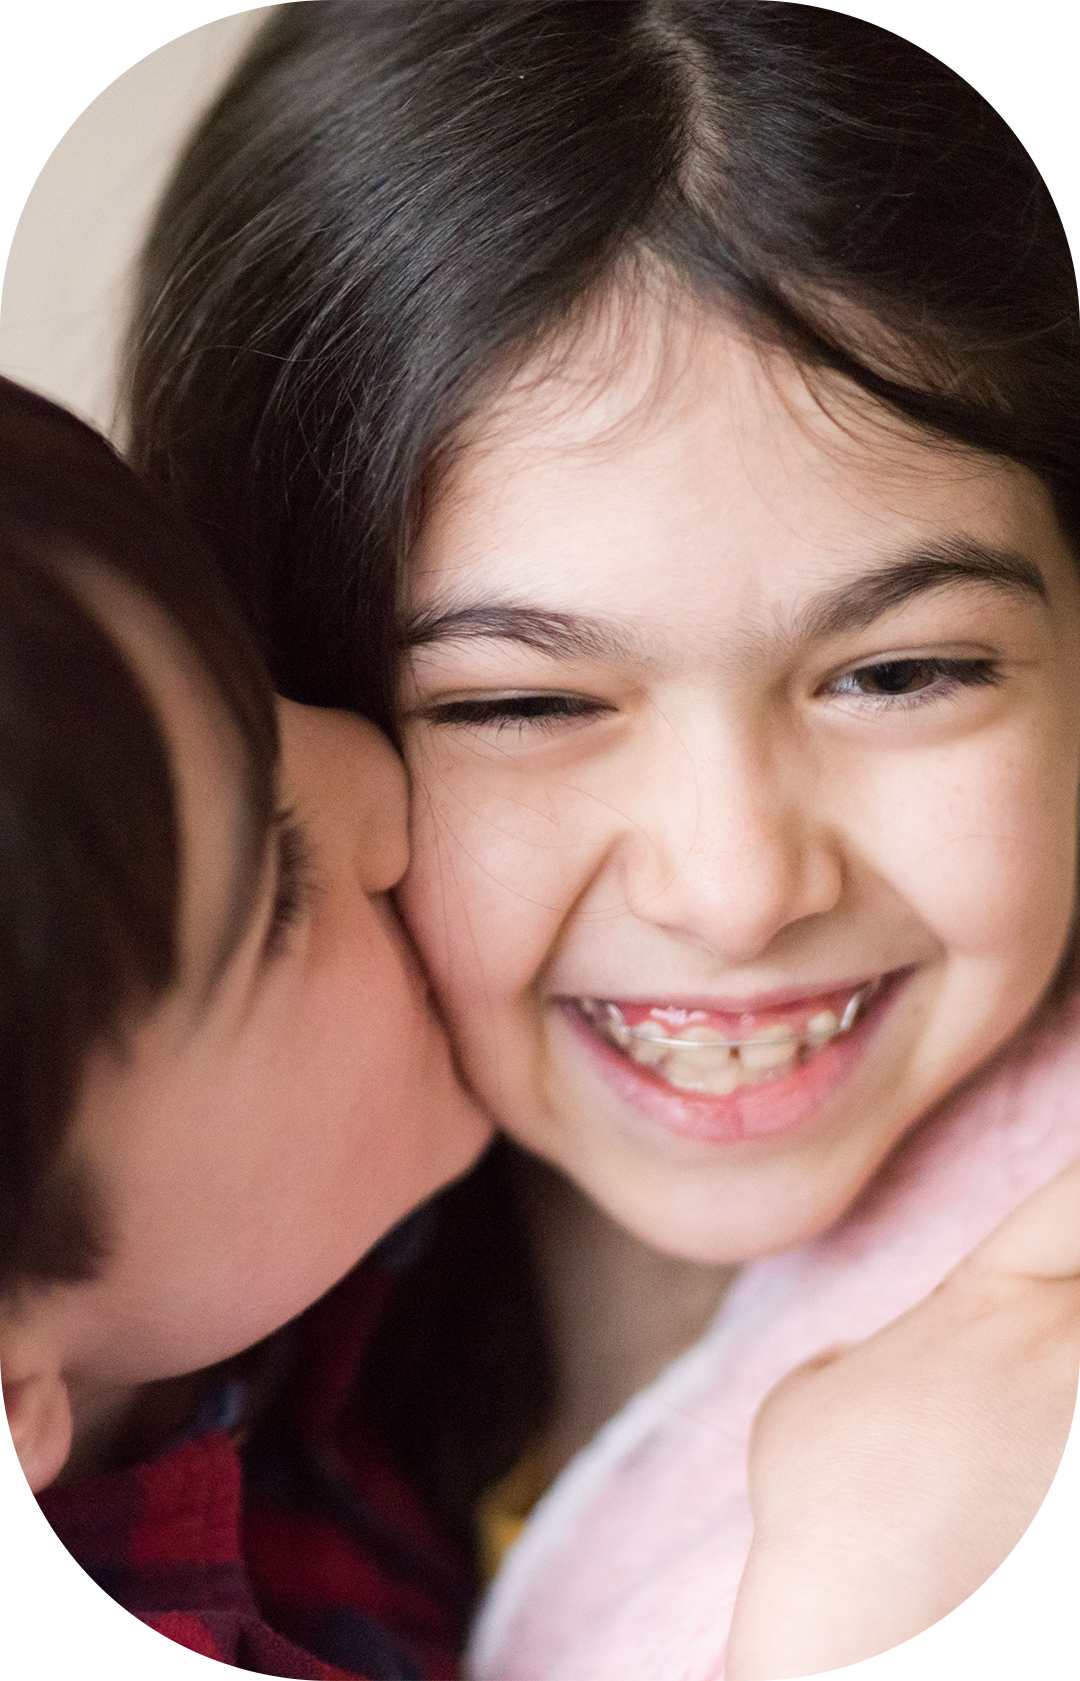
(121, 1425)
(618, 1311)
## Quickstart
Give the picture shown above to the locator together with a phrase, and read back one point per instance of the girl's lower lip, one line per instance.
(752, 1112)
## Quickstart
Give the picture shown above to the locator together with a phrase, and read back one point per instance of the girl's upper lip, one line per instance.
(748, 1003)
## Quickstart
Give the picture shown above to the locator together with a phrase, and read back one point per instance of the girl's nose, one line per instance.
(730, 848)
(342, 771)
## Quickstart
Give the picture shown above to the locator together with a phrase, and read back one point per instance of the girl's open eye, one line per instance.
(913, 681)
(521, 712)
(294, 886)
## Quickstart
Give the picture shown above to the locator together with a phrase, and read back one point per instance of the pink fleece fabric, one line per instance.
(628, 1568)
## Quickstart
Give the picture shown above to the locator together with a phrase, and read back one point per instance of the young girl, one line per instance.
(223, 1081)
(698, 379)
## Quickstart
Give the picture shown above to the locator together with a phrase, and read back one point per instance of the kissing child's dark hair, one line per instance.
(90, 855)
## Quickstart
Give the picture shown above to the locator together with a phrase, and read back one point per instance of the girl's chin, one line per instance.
(772, 1109)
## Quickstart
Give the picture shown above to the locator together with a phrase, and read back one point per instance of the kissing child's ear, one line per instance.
(37, 1402)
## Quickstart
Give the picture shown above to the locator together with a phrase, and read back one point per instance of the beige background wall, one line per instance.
(95, 96)
(66, 286)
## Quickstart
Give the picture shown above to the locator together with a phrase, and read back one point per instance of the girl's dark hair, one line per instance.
(395, 201)
(394, 198)
(90, 865)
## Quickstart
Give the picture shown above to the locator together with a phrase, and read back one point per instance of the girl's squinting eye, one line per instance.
(294, 885)
(521, 712)
(914, 681)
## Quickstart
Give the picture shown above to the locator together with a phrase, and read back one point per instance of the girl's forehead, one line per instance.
(635, 371)
(682, 449)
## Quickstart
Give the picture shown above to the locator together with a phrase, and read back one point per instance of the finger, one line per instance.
(790, 1389)
(816, 1614)
(1040, 1239)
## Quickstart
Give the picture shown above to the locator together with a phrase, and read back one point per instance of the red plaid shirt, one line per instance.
(302, 1553)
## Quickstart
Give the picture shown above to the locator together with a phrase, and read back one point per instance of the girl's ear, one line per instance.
(38, 1411)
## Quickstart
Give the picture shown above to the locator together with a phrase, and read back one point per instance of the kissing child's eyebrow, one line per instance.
(847, 606)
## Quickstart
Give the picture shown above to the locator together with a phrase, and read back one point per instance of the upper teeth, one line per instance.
(678, 1051)
(647, 1042)
(821, 1027)
(769, 1048)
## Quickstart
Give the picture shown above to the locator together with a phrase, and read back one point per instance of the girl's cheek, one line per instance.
(981, 845)
(479, 920)
(497, 863)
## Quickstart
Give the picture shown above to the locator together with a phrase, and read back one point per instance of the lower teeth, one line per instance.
(698, 1060)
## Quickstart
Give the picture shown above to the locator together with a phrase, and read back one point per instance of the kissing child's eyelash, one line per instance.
(295, 881)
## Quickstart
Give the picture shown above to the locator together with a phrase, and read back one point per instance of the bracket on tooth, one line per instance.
(621, 1032)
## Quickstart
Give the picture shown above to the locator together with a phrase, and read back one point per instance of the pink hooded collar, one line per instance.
(628, 1568)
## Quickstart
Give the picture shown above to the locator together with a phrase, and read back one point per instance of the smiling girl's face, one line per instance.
(735, 720)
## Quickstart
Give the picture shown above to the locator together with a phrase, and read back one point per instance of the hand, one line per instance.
(890, 1479)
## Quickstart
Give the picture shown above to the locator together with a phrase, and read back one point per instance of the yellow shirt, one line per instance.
(503, 1508)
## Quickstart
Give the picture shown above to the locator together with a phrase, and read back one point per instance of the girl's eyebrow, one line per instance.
(560, 635)
(856, 604)
(852, 605)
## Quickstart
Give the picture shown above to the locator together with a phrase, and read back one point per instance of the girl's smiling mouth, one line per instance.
(722, 1076)
(717, 1051)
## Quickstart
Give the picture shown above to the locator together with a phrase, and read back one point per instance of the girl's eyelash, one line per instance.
(915, 681)
(295, 882)
(517, 711)
(887, 683)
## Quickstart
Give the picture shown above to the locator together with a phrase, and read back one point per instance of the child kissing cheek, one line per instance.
(744, 727)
